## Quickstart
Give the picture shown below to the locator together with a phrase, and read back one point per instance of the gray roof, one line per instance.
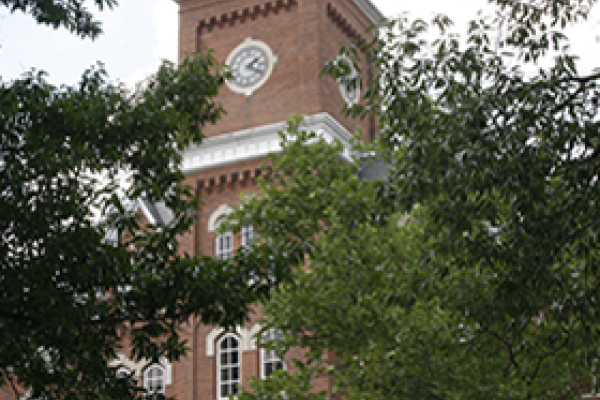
(156, 213)
(374, 169)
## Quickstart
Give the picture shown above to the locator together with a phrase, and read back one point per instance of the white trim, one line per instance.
(345, 81)
(248, 235)
(224, 245)
(246, 336)
(138, 367)
(370, 11)
(263, 356)
(222, 211)
(210, 341)
(123, 372)
(238, 380)
(146, 212)
(272, 60)
(252, 336)
(163, 378)
(255, 143)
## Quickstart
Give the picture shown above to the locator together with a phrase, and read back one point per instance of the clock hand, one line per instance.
(253, 67)
(249, 66)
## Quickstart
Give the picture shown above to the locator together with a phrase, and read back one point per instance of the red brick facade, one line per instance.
(304, 35)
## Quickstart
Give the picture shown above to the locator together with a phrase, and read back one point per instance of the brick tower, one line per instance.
(276, 50)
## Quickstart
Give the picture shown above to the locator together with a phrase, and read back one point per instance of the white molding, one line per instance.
(210, 341)
(138, 367)
(246, 336)
(369, 9)
(255, 143)
(239, 365)
(350, 79)
(253, 332)
(222, 211)
(147, 213)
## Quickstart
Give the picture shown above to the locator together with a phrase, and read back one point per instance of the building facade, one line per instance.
(276, 50)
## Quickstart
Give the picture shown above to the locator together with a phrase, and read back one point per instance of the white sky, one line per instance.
(138, 33)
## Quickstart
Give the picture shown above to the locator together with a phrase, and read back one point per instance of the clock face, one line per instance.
(251, 64)
(349, 84)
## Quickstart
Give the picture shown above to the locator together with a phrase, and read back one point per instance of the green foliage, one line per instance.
(80, 270)
(70, 14)
(473, 272)
(67, 291)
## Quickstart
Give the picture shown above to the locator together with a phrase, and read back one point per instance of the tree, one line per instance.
(70, 14)
(79, 266)
(473, 271)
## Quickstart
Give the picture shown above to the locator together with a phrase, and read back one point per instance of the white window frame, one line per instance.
(123, 372)
(229, 365)
(269, 356)
(248, 235)
(224, 244)
(149, 380)
(222, 211)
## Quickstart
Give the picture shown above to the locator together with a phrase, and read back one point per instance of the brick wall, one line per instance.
(304, 35)
(301, 33)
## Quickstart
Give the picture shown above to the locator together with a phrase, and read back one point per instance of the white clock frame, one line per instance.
(272, 58)
(342, 84)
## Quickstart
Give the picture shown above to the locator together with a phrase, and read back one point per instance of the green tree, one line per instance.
(79, 266)
(473, 271)
(70, 14)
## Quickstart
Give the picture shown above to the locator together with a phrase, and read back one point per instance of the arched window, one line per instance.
(248, 237)
(224, 244)
(123, 373)
(154, 379)
(228, 366)
(270, 361)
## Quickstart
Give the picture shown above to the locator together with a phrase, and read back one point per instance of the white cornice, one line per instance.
(369, 9)
(255, 143)
(366, 6)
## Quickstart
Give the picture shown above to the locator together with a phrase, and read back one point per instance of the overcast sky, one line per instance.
(139, 33)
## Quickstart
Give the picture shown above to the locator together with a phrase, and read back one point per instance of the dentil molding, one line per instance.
(366, 6)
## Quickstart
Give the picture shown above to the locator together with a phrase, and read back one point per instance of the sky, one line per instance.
(139, 33)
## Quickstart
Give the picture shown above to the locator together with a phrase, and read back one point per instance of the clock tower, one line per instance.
(275, 50)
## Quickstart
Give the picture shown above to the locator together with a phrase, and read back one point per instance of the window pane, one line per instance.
(224, 245)
(247, 235)
(271, 361)
(228, 375)
(153, 379)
